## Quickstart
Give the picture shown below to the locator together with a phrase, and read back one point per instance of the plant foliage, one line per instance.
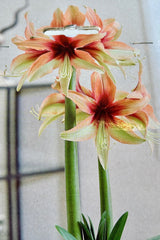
(88, 233)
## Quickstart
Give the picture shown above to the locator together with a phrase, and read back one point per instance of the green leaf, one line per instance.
(118, 227)
(103, 217)
(155, 238)
(85, 222)
(102, 230)
(86, 233)
(66, 235)
(91, 228)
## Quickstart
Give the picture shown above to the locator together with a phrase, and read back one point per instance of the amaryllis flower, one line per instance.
(147, 113)
(53, 107)
(43, 55)
(112, 30)
(108, 116)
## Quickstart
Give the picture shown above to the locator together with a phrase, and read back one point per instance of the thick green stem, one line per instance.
(71, 168)
(105, 196)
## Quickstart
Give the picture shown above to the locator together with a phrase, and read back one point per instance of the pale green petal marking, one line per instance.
(47, 121)
(65, 72)
(52, 109)
(80, 116)
(22, 80)
(124, 136)
(43, 70)
(102, 143)
(83, 131)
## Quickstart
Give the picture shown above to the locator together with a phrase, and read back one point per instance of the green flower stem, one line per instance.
(105, 196)
(71, 168)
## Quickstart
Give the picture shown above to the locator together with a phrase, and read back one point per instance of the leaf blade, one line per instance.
(86, 232)
(155, 238)
(66, 235)
(118, 227)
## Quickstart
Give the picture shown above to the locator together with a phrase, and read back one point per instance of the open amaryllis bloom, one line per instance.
(152, 134)
(43, 55)
(53, 107)
(123, 53)
(111, 113)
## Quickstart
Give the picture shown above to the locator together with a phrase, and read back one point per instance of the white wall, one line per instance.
(134, 170)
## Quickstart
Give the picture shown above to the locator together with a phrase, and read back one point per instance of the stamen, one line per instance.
(35, 112)
(153, 136)
(6, 73)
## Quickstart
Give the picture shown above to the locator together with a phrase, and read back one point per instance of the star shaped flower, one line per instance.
(123, 53)
(42, 55)
(111, 113)
(53, 107)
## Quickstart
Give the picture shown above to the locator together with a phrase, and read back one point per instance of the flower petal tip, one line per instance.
(40, 132)
(18, 88)
(63, 136)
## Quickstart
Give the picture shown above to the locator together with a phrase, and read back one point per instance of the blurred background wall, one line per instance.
(34, 202)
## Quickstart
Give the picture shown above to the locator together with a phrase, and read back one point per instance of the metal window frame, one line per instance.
(13, 177)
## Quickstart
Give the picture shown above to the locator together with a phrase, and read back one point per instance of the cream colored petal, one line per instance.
(65, 74)
(102, 143)
(85, 103)
(123, 132)
(83, 131)
(47, 121)
(74, 16)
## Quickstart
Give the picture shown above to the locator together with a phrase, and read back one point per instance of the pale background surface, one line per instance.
(134, 171)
